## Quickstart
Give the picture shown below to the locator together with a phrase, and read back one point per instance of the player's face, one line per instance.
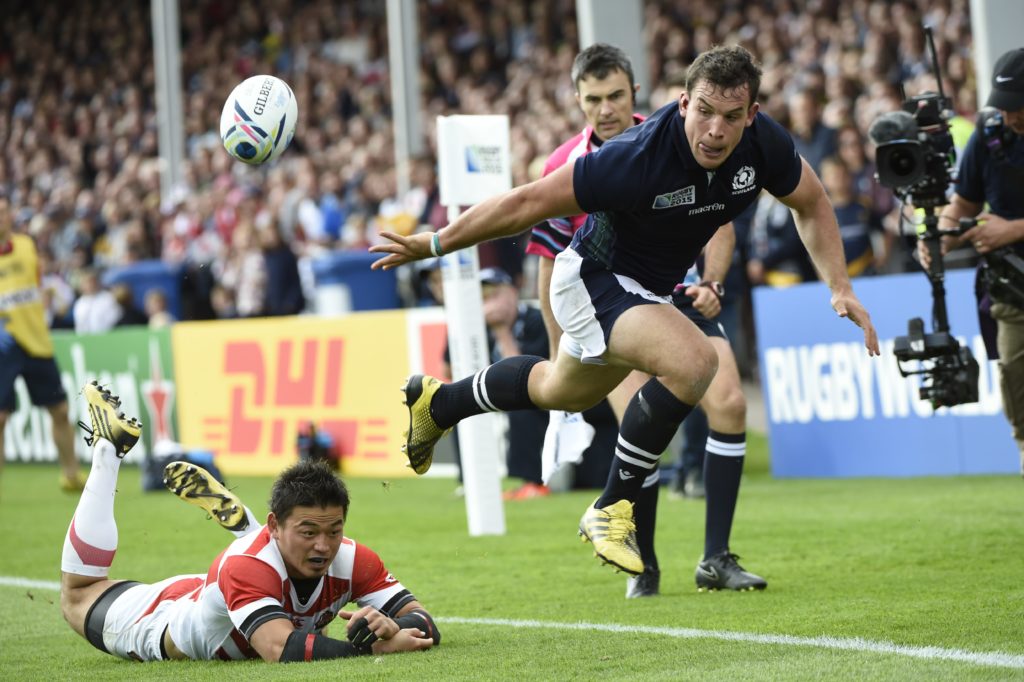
(607, 103)
(308, 539)
(1015, 120)
(715, 119)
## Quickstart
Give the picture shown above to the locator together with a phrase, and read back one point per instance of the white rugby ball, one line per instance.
(258, 119)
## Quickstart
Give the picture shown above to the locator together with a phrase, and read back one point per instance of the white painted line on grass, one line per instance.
(994, 659)
(13, 581)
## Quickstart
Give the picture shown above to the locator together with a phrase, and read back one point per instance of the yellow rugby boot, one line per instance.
(613, 533)
(423, 432)
(108, 421)
(197, 486)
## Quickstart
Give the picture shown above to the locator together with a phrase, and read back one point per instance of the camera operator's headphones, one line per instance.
(995, 135)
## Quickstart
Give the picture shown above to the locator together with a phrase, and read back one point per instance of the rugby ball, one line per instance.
(257, 122)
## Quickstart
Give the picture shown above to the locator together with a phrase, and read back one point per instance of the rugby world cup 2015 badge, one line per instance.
(680, 197)
(743, 181)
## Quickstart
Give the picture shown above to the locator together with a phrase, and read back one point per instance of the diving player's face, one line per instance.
(308, 539)
(607, 103)
(714, 121)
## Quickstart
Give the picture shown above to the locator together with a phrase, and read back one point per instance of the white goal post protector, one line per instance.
(474, 164)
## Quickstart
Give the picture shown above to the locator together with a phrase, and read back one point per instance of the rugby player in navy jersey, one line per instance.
(655, 195)
(603, 77)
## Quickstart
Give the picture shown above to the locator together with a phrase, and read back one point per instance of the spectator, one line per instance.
(245, 272)
(222, 300)
(96, 309)
(863, 241)
(777, 257)
(283, 292)
(130, 313)
(58, 296)
(813, 139)
(156, 309)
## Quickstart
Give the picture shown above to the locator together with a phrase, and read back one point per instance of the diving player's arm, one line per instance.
(278, 640)
(819, 231)
(502, 215)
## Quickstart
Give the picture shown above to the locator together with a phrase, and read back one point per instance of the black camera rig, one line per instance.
(915, 158)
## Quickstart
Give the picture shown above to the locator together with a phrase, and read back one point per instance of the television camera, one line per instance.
(915, 158)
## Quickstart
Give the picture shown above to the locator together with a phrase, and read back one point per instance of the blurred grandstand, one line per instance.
(79, 137)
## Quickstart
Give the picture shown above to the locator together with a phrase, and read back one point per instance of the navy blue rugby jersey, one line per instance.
(653, 207)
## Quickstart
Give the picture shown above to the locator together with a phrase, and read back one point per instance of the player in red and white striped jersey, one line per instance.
(269, 595)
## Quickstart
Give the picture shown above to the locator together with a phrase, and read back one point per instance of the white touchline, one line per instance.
(13, 581)
(994, 659)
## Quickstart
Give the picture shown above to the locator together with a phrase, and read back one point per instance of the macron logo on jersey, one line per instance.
(680, 197)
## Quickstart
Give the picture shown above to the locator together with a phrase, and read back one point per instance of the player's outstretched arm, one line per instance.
(819, 231)
(499, 216)
(277, 640)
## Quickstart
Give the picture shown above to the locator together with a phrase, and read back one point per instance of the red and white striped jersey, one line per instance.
(248, 584)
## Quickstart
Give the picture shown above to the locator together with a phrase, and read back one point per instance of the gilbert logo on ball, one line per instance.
(258, 119)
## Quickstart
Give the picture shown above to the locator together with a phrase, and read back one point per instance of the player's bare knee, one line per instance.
(700, 367)
(734, 406)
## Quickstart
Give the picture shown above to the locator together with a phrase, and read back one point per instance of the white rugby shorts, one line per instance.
(587, 299)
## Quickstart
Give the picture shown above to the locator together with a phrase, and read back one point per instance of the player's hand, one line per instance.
(846, 304)
(704, 300)
(401, 250)
(992, 232)
(367, 625)
(409, 639)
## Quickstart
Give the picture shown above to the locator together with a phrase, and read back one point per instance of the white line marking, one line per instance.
(994, 659)
(12, 581)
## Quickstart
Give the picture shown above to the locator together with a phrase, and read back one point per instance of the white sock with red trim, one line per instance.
(92, 536)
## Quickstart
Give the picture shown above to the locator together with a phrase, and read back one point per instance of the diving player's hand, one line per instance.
(704, 300)
(367, 625)
(409, 639)
(401, 250)
(846, 304)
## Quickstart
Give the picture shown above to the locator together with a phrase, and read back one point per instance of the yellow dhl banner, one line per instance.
(246, 387)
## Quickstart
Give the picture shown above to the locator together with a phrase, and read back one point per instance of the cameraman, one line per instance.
(992, 173)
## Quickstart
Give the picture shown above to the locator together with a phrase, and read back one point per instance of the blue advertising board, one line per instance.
(833, 411)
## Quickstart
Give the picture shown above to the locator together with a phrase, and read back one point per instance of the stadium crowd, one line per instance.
(79, 137)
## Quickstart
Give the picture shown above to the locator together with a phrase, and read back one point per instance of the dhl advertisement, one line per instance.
(247, 387)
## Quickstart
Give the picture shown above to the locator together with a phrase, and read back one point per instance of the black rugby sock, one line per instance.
(723, 467)
(503, 386)
(650, 421)
(645, 515)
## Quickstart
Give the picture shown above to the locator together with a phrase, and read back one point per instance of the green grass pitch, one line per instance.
(868, 579)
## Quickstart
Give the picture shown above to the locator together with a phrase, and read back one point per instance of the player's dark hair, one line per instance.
(307, 484)
(598, 61)
(726, 67)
